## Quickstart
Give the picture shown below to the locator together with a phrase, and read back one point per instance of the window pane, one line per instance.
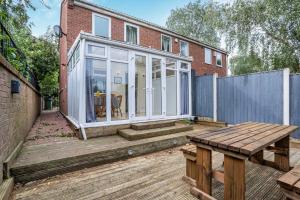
(183, 48)
(183, 65)
(95, 90)
(219, 59)
(131, 34)
(166, 43)
(171, 63)
(101, 26)
(119, 54)
(119, 91)
(96, 50)
(207, 56)
(156, 87)
(171, 92)
(184, 93)
(140, 86)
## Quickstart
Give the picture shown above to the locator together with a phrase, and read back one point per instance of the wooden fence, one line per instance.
(271, 97)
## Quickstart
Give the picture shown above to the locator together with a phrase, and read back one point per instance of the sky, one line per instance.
(155, 11)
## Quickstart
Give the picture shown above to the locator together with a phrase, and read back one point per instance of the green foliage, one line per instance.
(200, 20)
(49, 85)
(245, 64)
(41, 53)
(269, 27)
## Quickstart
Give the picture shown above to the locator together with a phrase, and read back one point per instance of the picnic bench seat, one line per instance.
(189, 152)
(290, 183)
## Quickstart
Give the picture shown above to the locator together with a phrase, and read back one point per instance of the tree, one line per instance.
(41, 53)
(200, 20)
(245, 64)
(269, 27)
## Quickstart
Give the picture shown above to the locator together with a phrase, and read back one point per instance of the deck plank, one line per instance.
(154, 176)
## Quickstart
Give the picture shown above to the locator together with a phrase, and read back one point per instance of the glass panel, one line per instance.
(140, 86)
(184, 93)
(207, 56)
(183, 65)
(95, 90)
(96, 50)
(171, 92)
(119, 54)
(131, 34)
(183, 48)
(171, 63)
(119, 91)
(101, 26)
(156, 87)
(165, 43)
(219, 59)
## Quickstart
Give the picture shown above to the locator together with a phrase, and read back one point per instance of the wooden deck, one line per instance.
(43, 160)
(154, 176)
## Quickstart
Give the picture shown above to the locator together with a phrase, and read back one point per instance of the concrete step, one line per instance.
(40, 169)
(211, 123)
(131, 134)
(152, 125)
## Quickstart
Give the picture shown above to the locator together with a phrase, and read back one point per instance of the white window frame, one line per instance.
(219, 54)
(163, 35)
(205, 49)
(137, 29)
(94, 15)
(95, 55)
(188, 47)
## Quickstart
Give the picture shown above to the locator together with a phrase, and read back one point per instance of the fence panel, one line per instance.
(254, 97)
(295, 102)
(203, 96)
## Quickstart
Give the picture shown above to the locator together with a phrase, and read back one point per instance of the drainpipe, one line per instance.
(82, 132)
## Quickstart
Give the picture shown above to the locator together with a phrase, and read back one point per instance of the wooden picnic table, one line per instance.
(238, 143)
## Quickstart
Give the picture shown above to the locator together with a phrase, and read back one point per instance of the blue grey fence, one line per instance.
(203, 96)
(295, 102)
(254, 97)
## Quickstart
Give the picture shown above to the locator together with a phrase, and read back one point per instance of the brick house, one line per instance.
(117, 69)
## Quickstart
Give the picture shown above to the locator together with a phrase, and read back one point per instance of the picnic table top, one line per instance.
(244, 139)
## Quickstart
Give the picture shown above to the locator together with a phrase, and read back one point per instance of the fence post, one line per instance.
(286, 96)
(215, 98)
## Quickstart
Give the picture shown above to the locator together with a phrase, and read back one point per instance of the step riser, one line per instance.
(44, 170)
(155, 134)
(215, 124)
(141, 126)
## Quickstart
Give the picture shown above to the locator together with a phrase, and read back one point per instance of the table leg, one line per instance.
(258, 157)
(283, 161)
(204, 170)
(234, 178)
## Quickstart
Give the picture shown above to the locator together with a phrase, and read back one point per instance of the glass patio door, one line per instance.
(140, 86)
(157, 87)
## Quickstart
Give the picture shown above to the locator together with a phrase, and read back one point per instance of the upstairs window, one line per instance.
(219, 59)
(166, 43)
(184, 48)
(207, 56)
(101, 26)
(131, 34)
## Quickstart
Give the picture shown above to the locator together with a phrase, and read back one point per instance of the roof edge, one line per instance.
(120, 15)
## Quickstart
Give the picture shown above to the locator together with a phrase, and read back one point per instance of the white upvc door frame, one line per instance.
(133, 86)
(188, 70)
(163, 87)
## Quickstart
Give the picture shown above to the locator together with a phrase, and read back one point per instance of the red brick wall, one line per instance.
(79, 18)
(63, 51)
(18, 111)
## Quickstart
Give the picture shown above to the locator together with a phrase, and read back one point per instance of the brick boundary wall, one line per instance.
(18, 112)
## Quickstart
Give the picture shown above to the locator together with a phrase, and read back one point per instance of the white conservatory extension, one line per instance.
(112, 82)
